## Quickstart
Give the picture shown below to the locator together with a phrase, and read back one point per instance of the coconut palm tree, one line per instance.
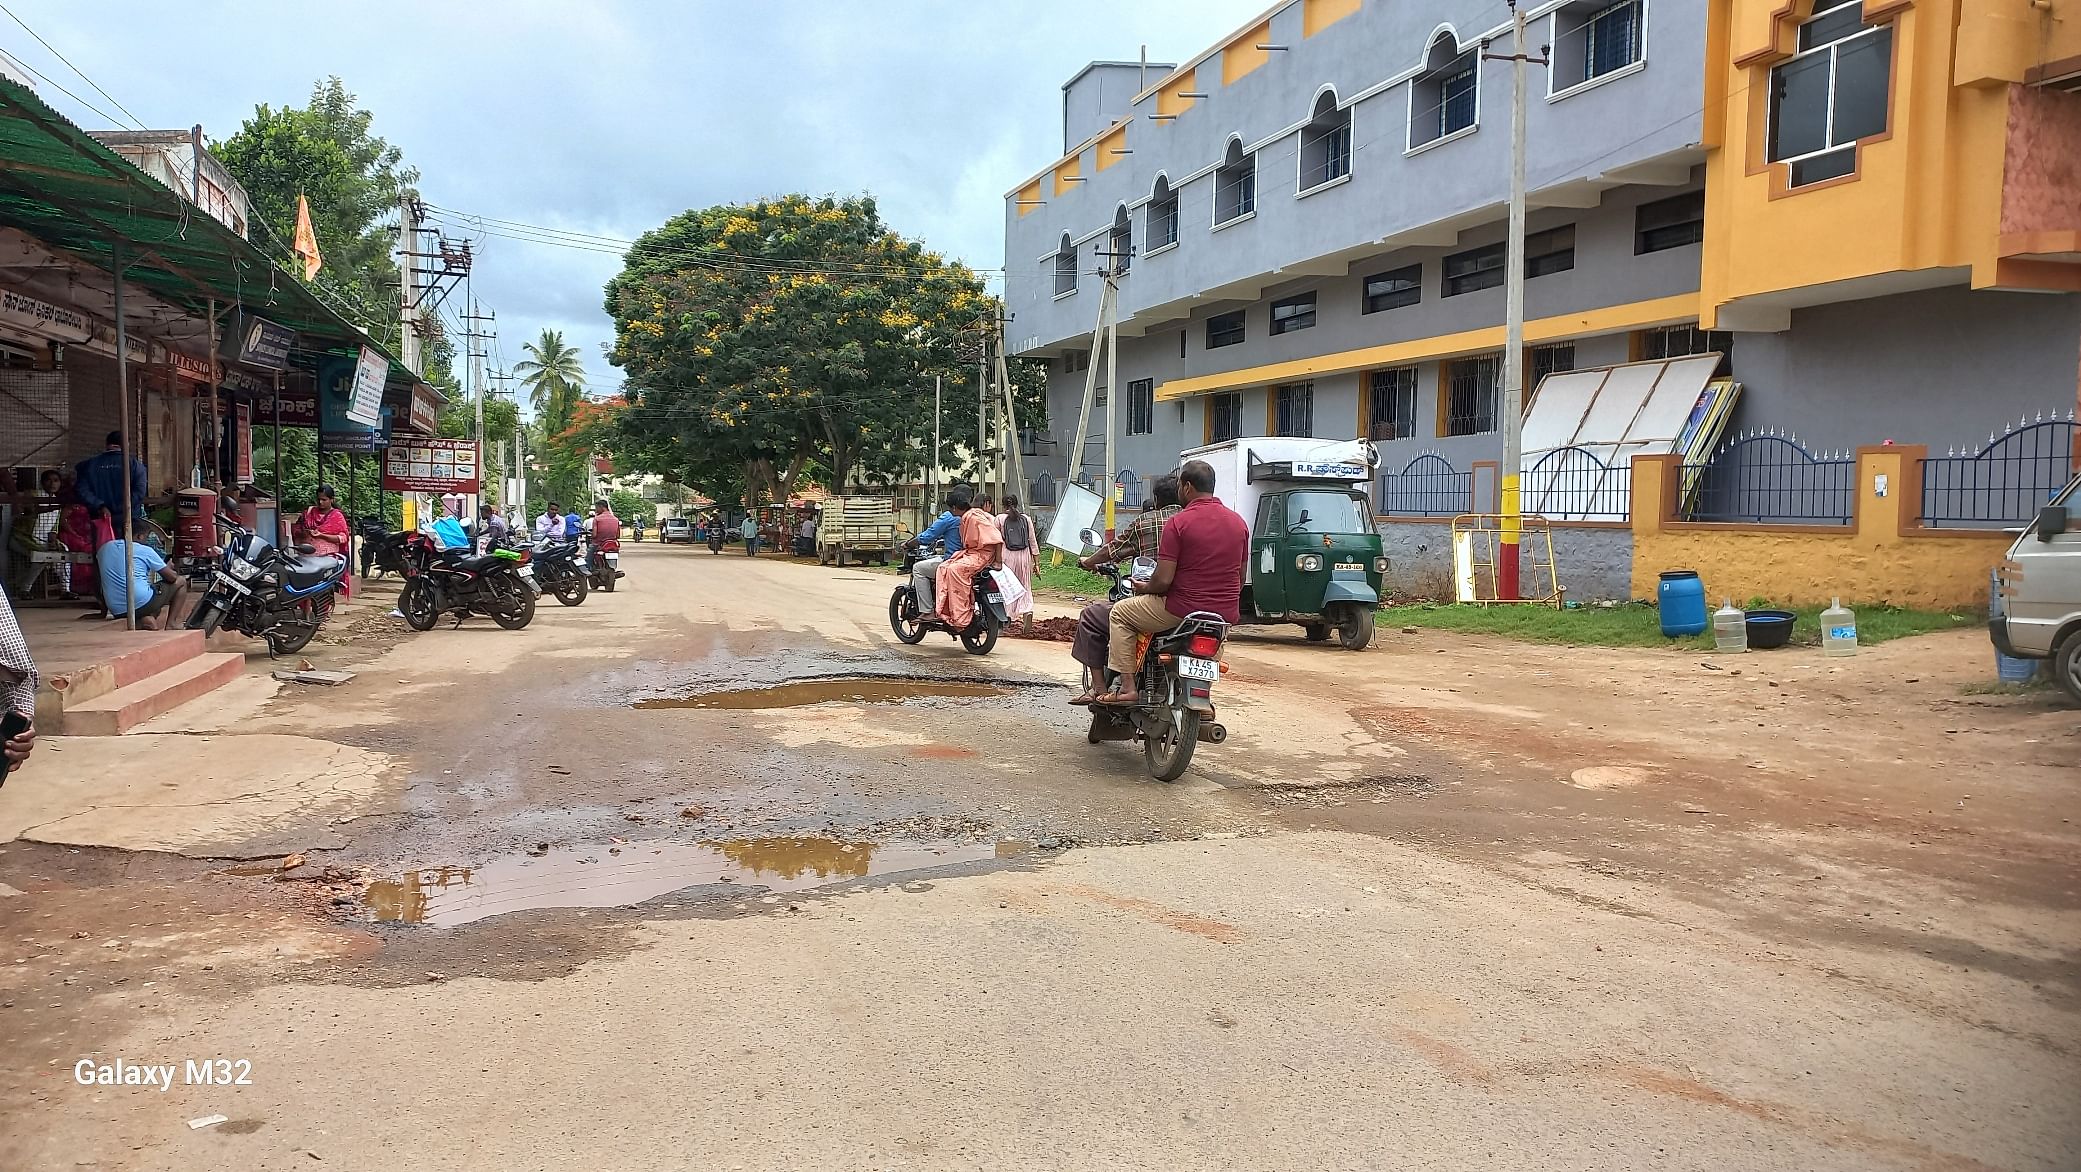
(554, 376)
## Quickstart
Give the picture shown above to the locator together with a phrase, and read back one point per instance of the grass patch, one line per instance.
(1641, 626)
(1068, 579)
(2040, 682)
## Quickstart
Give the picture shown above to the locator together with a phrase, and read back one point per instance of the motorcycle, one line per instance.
(382, 551)
(715, 540)
(604, 565)
(264, 593)
(979, 637)
(560, 570)
(499, 584)
(1175, 679)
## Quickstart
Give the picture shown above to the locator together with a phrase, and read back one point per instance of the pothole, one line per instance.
(1338, 793)
(609, 875)
(835, 690)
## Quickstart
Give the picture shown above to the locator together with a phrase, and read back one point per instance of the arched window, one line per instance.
(1445, 99)
(1161, 231)
(1121, 241)
(1325, 143)
(1235, 185)
(1065, 268)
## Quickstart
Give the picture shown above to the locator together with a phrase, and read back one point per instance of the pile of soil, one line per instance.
(1046, 631)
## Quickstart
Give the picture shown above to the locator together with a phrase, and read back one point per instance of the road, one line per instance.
(647, 886)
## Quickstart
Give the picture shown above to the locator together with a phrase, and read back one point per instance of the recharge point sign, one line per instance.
(365, 400)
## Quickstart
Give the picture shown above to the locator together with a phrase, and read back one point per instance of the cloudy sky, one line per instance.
(608, 117)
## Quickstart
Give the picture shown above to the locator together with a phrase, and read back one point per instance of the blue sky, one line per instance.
(608, 118)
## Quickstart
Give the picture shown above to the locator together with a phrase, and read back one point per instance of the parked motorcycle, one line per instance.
(911, 626)
(1175, 681)
(499, 584)
(265, 593)
(382, 551)
(559, 570)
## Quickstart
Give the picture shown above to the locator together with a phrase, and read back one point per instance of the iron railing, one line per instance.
(1428, 486)
(2004, 483)
(1770, 479)
(1576, 484)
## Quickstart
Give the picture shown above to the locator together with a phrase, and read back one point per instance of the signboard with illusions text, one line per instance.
(431, 465)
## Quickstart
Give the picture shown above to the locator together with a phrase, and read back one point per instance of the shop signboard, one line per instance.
(298, 409)
(431, 465)
(261, 343)
(245, 443)
(365, 393)
(43, 318)
(425, 416)
(188, 366)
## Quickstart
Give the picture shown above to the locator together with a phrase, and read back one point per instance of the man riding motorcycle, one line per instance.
(1199, 567)
(1139, 540)
(946, 534)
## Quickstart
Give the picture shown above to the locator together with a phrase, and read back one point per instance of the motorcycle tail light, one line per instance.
(1205, 646)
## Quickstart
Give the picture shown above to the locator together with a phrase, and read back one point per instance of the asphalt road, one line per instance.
(711, 872)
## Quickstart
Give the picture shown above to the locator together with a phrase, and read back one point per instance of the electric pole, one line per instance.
(982, 411)
(1508, 555)
(476, 389)
(932, 505)
(408, 282)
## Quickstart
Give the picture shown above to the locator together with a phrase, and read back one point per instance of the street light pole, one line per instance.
(1508, 560)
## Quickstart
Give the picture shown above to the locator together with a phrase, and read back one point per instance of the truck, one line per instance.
(862, 526)
(1315, 557)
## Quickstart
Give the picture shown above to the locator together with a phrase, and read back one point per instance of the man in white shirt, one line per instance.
(550, 524)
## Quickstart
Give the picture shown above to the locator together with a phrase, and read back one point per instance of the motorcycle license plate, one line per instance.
(1198, 669)
(233, 584)
(527, 572)
(1352, 566)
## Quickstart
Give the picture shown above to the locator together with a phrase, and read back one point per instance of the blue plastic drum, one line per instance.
(1681, 597)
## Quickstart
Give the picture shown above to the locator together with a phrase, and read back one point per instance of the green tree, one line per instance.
(772, 337)
(554, 375)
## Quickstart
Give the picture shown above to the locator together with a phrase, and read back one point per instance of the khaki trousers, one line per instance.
(1144, 614)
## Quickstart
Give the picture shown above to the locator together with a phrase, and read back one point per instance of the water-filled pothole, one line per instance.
(831, 690)
(626, 874)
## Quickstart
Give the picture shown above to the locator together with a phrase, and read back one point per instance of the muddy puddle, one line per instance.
(626, 874)
(836, 690)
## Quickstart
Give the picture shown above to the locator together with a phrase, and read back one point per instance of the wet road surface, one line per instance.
(712, 872)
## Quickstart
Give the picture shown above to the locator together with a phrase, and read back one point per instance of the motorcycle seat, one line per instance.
(303, 570)
(475, 565)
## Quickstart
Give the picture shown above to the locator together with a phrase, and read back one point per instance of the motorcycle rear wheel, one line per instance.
(570, 587)
(293, 637)
(418, 605)
(607, 580)
(980, 641)
(517, 616)
(903, 616)
(1171, 738)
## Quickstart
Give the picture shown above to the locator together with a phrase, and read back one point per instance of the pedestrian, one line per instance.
(17, 687)
(1019, 546)
(492, 526)
(99, 482)
(750, 529)
(550, 525)
(142, 576)
(325, 528)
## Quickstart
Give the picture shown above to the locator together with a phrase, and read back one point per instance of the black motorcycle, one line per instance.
(498, 584)
(979, 637)
(382, 551)
(265, 593)
(559, 570)
(1176, 708)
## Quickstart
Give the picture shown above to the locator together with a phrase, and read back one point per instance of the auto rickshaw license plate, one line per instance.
(1352, 566)
(1198, 669)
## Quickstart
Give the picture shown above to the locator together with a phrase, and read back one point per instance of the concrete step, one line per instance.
(154, 652)
(125, 708)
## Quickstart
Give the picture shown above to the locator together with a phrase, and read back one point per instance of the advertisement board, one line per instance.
(365, 396)
(431, 465)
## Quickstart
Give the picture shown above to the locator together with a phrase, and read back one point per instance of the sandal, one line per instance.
(1118, 700)
(1086, 699)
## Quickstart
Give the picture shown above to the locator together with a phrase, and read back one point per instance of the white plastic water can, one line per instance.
(1839, 630)
(1730, 627)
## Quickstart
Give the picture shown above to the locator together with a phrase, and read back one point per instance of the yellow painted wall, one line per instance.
(1869, 562)
(1241, 57)
(1029, 198)
(1927, 194)
(1066, 171)
(1110, 141)
(1168, 100)
(1317, 15)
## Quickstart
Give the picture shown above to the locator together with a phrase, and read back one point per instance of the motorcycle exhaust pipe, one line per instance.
(1213, 734)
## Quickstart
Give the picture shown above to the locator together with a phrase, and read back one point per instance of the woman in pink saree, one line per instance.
(324, 527)
(982, 548)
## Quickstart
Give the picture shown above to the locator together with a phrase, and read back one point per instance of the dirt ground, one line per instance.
(713, 872)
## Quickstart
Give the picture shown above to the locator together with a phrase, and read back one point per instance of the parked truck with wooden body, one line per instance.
(861, 526)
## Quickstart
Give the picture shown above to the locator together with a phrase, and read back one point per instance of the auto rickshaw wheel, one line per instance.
(1356, 631)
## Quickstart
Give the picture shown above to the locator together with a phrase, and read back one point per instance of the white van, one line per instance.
(2037, 611)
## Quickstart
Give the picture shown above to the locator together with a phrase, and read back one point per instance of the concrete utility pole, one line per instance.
(933, 480)
(1508, 559)
(476, 389)
(1101, 331)
(408, 283)
(982, 414)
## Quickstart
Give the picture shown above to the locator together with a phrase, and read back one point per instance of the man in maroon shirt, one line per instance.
(1199, 566)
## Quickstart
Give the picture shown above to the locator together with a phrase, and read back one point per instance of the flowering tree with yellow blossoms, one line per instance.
(766, 340)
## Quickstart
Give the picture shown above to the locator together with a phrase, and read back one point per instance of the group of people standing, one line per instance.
(974, 538)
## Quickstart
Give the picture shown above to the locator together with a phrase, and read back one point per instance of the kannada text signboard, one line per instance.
(430, 465)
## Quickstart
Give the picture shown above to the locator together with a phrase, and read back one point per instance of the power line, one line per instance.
(38, 73)
(134, 120)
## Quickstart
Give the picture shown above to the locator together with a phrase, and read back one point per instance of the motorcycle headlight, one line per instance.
(243, 570)
(1310, 563)
(1380, 565)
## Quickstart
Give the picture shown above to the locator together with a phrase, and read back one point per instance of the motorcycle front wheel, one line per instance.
(903, 616)
(417, 603)
(1171, 737)
(514, 616)
(570, 587)
(981, 635)
(207, 616)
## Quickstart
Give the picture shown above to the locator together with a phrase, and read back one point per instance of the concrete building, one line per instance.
(1873, 210)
